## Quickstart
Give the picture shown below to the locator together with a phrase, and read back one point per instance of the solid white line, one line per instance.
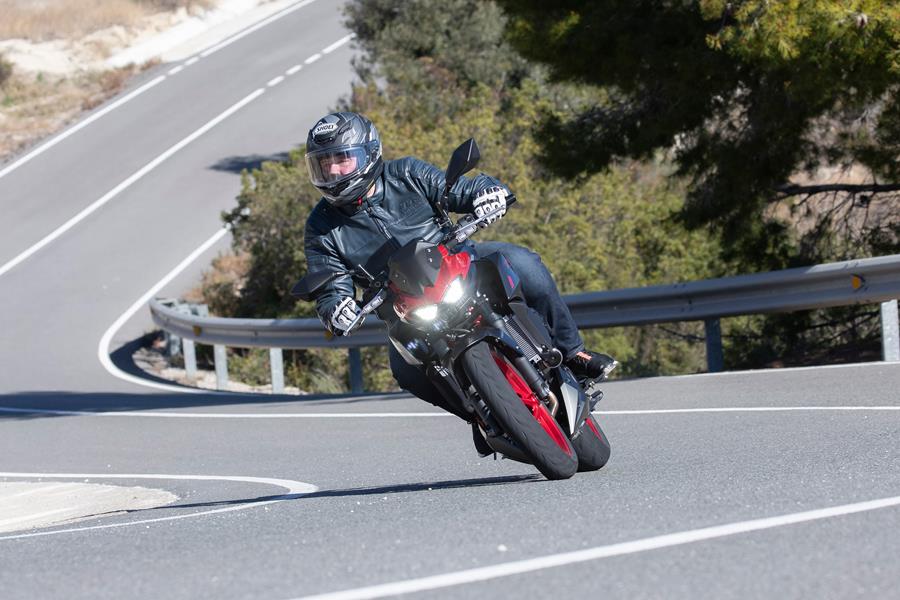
(128, 182)
(293, 69)
(81, 125)
(253, 28)
(313, 58)
(395, 415)
(338, 44)
(739, 409)
(103, 349)
(175, 70)
(275, 81)
(779, 370)
(195, 415)
(579, 556)
(293, 488)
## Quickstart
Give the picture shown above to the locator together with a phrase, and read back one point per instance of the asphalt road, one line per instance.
(715, 489)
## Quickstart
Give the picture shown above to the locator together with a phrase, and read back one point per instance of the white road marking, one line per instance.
(191, 61)
(252, 28)
(130, 96)
(338, 44)
(599, 552)
(313, 58)
(293, 69)
(396, 415)
(293, 488)
(130, 180)
(739, 409)
(81, 125)
(103, 349)
(275, 81)
(779, 370)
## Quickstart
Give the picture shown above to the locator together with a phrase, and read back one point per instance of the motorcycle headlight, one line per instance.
(454, 292)
(426, 313)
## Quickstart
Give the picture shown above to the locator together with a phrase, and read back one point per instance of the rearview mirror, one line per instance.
(463, 160)
(306, 288)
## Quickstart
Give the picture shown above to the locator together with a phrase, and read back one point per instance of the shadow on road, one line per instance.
(236, 164)
(29, 405)
(425, 486)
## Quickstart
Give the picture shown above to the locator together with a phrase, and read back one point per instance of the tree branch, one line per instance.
(795, 190)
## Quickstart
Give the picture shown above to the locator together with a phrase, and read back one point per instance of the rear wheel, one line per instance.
(521, 414)
(591, 445)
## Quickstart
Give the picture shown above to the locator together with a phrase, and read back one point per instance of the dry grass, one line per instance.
(34, 106)
(42, 20)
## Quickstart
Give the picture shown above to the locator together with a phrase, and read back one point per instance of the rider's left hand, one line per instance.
(490, 200)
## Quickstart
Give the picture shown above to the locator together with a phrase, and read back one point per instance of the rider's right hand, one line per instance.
(343, 315)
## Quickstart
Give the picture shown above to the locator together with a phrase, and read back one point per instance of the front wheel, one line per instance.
(591, 445)
(520, 413)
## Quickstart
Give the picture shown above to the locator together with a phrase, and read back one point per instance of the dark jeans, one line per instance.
(540, 293)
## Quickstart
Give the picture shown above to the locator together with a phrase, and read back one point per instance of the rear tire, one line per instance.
(552, 460)
(592, 446)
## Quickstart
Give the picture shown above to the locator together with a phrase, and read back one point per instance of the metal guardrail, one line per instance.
(864, 281)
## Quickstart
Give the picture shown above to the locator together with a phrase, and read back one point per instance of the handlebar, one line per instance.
(460, 233)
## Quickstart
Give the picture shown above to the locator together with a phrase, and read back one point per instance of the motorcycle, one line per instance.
(464, 320)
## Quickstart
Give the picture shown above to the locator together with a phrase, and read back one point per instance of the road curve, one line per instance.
(780, 484)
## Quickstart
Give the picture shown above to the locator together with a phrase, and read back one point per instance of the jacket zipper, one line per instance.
(377, 222)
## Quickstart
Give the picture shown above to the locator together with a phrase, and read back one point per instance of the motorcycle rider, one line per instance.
(370, 208)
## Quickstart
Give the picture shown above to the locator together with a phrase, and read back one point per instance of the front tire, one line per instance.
(535, 431)
(592, 446)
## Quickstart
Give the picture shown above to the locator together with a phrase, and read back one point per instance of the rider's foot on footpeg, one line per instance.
(592, 365)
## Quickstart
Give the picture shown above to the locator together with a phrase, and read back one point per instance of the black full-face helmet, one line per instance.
(343, 155)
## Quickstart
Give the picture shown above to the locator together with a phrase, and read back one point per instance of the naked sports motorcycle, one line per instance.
(463, 319)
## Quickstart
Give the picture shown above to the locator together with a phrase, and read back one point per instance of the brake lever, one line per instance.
(370, 307)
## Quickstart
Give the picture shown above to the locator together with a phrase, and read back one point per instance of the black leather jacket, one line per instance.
(338, 239)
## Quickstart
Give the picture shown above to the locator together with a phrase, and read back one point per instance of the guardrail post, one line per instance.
(715, 358)
(276, 363)
(221, 359)
(190, 358)
(356, 373)
(890, 332)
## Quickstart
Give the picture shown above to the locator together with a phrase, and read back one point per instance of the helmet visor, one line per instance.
(333, 165)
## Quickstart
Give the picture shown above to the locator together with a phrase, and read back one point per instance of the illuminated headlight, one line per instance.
(426, 313)
(454, 292)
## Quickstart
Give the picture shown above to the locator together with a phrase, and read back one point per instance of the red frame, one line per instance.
(452, 266)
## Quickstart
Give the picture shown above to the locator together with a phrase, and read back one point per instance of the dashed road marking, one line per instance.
(275, 81)
(293, 69)
(338, 44)
(313, 58)
(252, 28)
